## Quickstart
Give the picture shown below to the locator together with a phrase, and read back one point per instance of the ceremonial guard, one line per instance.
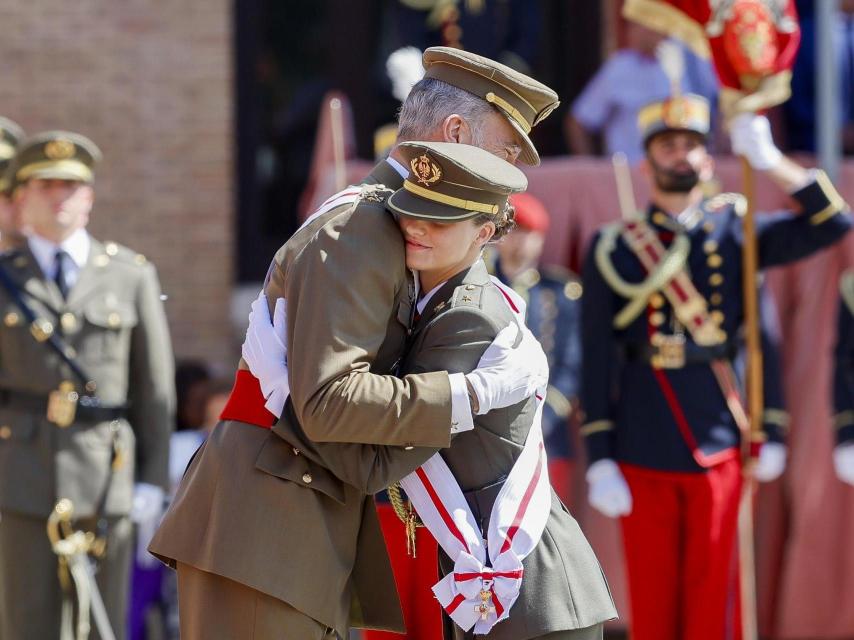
(10, 233)
(553, 297)
(843, 382)
(86, 397)
(662, 308)
(317, 564)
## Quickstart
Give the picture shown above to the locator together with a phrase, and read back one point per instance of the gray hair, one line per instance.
(431, 101)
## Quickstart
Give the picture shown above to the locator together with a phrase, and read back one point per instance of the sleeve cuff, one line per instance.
(843, 425)
(820, 199)
(461, 416)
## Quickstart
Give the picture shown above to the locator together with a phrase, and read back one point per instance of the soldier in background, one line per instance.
(86, 394)
(10, 233)
(663, 303)
(553, 295)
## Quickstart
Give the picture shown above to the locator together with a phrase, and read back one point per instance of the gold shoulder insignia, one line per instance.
(375, 193)
(467, 295)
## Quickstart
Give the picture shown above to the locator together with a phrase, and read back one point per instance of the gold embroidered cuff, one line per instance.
(596, 426)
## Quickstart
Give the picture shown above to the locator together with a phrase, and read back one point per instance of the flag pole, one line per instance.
(755, 403)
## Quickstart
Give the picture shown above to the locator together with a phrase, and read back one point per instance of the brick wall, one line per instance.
(151, 83)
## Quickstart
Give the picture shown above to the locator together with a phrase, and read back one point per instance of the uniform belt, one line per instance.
(693, 353)
(89, 409)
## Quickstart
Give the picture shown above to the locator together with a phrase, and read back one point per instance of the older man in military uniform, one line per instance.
(85, 398)
(316, 564)
(662, 307)
(553, 295)
(10, 232)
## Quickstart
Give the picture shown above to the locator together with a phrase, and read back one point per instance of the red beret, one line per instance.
(531, 214)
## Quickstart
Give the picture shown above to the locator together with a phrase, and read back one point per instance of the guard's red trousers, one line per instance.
(414, 578)
(680, 544)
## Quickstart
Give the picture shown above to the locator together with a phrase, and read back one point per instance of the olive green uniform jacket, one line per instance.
(563, 587)
(280, 513)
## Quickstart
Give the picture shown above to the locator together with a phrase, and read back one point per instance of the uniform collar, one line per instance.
(76, 245)
(387, 174)
(686, 220)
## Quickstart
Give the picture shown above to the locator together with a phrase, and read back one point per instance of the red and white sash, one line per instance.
(488, 572)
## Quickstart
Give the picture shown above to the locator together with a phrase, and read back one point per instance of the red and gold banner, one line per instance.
(752, 43)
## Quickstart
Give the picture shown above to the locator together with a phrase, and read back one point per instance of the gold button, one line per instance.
(101, 260)
(656, 319)
(19, 262)
(716, 279)
(114, 319)
(710, 246)
(573, 290)
(656, 339)
(68, 321)
(659, 218)
(708, 226)
(716, 299)
(656, 301)
(111, 248)
(717, 317)
(408, 448)
(140, 259)
(296, 451)
(11, 319)
(41, 329)
(306, 477)
(5, 432)
(714, 261)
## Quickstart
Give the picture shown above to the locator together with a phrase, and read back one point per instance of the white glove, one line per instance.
(843, 461)
(750, 137)
(265, 352)
(145, 512)
(506, 375)
(608, 491)
(772, 462)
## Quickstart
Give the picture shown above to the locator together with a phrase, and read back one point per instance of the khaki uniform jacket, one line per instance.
(114, 322)
(564, 587)
(279, 512)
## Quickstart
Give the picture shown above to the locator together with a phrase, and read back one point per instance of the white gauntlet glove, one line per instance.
(772, 462)
(608, 491)
(750, 136)
(146, 510)
(265, 352)
(843, 462)
(506, 375)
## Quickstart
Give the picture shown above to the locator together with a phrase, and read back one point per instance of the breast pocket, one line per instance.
(106, 330)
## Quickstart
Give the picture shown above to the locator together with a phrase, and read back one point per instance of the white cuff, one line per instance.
(461, 417)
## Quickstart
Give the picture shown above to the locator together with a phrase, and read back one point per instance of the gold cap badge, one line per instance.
(425, 171)
(59, 149)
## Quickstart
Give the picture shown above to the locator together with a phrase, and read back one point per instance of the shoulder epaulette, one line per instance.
(572, 288)
(727, 199)
(378, 193)
(468, 295)
(121, 253)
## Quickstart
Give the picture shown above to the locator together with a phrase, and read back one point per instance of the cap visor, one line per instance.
(529, 153)
(407, 204)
